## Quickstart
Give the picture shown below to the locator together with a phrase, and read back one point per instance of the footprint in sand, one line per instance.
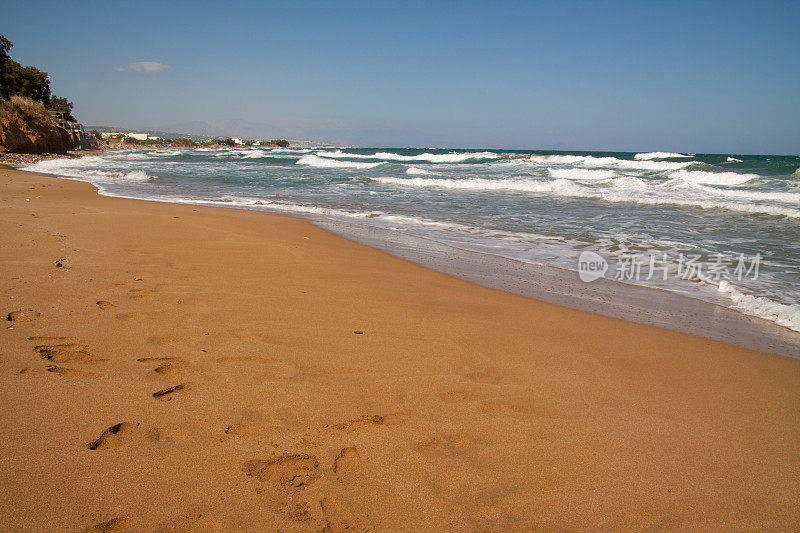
(298, 511)
(368, 420)
(339, 518)
(116, 435)
(163, 340)
(67, 353)
(250, 430)
(138, 294)
(120, 523)
(288, 471)
(70, 372)
(450, 445)
(199, 522)
(242, 430)
(54, 340)
(23, 315)
(104, 304)
(166, 368)
(348, 467)
(165, 365)
(169, 393)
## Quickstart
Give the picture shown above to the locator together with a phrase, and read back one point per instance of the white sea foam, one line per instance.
(458, 157)
(136, 175)
(69, 169)
(713, 178)
(255, 154)
(416, 171)
(658, 155)
(608, 162)
(747, 194)
(733, 160)
(564, 186)
(313, 160)
(581, 173)
(760, 306)
(76, 168)
(290, 150)
(624, 189)
(49, 165)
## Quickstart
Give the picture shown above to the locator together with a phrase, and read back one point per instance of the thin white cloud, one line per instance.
(142, 66)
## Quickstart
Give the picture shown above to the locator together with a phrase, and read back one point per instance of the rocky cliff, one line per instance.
(26, 127)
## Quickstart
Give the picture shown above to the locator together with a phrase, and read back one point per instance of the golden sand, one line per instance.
(189, 368)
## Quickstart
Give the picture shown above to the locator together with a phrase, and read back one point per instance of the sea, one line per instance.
(718, 228)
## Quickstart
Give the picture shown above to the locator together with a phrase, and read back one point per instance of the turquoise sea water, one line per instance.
(713, 212)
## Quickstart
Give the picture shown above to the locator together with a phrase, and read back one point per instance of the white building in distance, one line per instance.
(143, 137)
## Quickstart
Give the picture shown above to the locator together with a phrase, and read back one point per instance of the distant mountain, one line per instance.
(250, 130)
(172, 134)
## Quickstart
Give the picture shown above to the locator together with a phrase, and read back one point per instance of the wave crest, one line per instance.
(313, 160)
(713, 178)
(658, 155)
(454, 157)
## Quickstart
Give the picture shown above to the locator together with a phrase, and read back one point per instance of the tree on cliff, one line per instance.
(28, 81)
(60, 104)
(5, 46)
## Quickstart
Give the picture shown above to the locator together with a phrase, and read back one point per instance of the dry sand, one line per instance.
(198, 369)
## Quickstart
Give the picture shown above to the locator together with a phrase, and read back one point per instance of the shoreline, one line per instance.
(263, 373)
(652, 306)
(641, 304)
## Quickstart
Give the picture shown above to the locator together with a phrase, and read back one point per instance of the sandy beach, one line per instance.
(187, 368)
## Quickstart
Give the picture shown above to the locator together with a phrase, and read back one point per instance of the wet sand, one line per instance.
(180, 367)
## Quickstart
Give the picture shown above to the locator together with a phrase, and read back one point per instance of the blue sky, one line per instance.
(639, 76)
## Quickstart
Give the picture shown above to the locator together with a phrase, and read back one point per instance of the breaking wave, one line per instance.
(416, 171)
(456, 157)
(762, 307)
(658, 155)
(313, 160)
(609, 162)
(71, 168)
(713, 178)
(625, 189)
(580, 173)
